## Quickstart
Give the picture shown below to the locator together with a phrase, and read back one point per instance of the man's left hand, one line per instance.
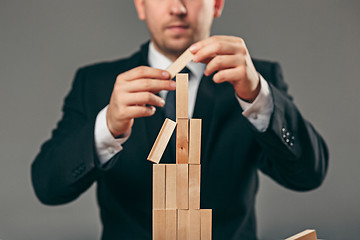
(231, 59)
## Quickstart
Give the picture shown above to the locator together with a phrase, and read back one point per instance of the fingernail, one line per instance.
(195, 58)
(162, 102)
(165, 74)
(193, 48)
(172, 84)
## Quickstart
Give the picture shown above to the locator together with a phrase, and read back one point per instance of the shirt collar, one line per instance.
(158, 60)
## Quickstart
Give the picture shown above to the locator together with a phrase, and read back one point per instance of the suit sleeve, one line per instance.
(294, 154)
(67, 164)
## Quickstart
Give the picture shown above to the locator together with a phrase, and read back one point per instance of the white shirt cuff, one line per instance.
(106, 145)
(259, 111)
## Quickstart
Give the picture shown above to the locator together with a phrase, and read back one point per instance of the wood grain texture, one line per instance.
(308, 234)
(182, 95)
(159, 221)
(182, 141)
(195, 141)
(158, 186)
(194, 186)
(171, 224)
(183, 225)
(195, 224)
(180, 63)
(162, 141)
(182, 186)
(170, 188)
(206, 224)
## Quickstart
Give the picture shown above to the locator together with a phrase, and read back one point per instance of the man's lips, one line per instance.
(177, 27)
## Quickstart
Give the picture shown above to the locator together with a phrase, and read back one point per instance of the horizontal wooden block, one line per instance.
(171, 224)
(159, 186)
(162, 141)
(308, 234)
(182, 141)
(180, 63)
(182, 186)
(159, 221)
(170, 186)
(206, 224)
(194, 186)
(195, 141)
(195, 224)
(182, 95)
(183, 225)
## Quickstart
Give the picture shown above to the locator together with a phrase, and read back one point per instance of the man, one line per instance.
(114, 111)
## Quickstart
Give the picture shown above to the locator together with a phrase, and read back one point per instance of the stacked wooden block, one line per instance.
(176, 187)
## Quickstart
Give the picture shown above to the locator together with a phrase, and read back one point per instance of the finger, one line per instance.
(139, 111)
(223, 62)
(197, 46)
(213, 49)
(230, 75)
(144, 72)
(144, 98)
(150, 85)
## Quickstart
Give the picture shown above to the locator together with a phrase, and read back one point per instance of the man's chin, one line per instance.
(178, 46)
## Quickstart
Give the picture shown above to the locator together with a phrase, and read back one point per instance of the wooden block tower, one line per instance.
(176, 187)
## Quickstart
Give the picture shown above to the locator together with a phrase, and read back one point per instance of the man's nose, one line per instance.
(177, 7)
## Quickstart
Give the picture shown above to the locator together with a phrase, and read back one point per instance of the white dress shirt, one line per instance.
(258, 112)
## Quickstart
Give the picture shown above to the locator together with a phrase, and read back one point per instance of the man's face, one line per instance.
(176, 24)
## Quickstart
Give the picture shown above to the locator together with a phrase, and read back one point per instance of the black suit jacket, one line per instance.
(232, 152)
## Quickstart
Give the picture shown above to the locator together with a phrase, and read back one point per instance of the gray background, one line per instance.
(43, 42)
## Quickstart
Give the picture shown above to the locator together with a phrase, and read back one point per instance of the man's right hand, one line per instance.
(134, 96)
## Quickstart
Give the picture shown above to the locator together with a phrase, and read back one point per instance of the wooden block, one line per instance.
(180, 63)
(159, 221)
(194, 186)
(182, 186)
(206, 224)
(171, 224)
(159, 186)
(195, 224)
(195, 141)
(182, 95)
(183, 225)
(170, 186)
(308, 234)
(182, 141)
(162, 140)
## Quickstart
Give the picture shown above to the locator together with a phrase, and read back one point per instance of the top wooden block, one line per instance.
(182, 95)
(308, 234)
(180, 63)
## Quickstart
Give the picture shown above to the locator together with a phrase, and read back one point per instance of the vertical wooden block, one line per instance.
(182, 186)
(308, 234)
(158, 186)
(182, 95)
(171, 224)
(195, 224)
(195, 141)
(162, 140)
(206, 224)
(170, 186)
(183, 225)
(194, 186)
(159, 221)
(182, 141)
(180, 63)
